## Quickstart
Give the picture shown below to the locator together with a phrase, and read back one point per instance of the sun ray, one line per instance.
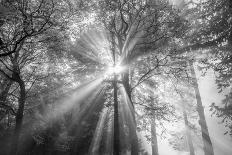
(95, 144)
(77, 97)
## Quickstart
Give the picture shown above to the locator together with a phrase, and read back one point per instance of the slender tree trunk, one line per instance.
(116, 142)
(188, 133)
(186, 123)
(116, 120)
(154, 143)
(108, 142)
(19, 116)
(132, 126)
(208, 147)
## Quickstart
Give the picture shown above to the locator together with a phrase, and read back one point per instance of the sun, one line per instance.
(115, 69)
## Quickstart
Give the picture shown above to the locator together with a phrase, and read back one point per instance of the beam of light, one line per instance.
(82, 113)
(75, 99)
(79, 117)
(109, 135)
(88, 107)
(124, 125)
(132, 39)
(127, 117)
(96, 141)
(128, 106)
(81, 93)
(53, 114)
(95, 46)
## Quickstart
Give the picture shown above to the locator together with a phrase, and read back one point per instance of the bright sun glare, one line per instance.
(115, 69)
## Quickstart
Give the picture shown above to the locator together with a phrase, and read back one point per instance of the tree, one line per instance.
(23, 38)
(186, 122)
(139, 28)
(208, 148)
(154, 110)
(219, 57)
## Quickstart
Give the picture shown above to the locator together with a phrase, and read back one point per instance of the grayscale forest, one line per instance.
(115, 77)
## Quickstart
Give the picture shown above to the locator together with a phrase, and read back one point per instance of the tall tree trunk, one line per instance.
(208, 147)
(116, 142)
(188, 133)
(154, 143)
(19, 116)
(116, 119)
(132, 125)
(186, 123)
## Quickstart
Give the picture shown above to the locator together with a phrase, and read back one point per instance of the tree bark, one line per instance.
(132, 125)
(19, 116)
(188, 133)
(154, 143)
(186, 123)
(208, 147)
(116, 119)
